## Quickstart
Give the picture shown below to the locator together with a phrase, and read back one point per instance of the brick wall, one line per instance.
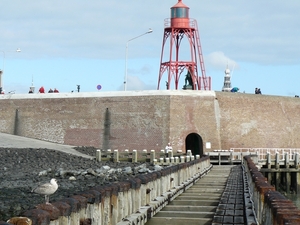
(151, 119)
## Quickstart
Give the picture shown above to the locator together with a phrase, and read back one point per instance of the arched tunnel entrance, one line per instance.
(194, 143)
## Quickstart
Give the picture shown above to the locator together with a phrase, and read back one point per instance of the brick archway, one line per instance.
(194, 142)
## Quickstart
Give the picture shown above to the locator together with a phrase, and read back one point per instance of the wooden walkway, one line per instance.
(218, 198)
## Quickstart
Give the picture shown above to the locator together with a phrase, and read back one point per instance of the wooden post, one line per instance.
(277, 180)
(286, 160)
(152, 156)
(182, 159)
(170, 153)
(176, 159)
(277, 160)
(145, 154)
(269, 160)
(172, 160)
(116, 156)
(288, 182)
(134, 156)
(296, 158)
(269, 177)
(298, 183)
(108, 154)
(162, 154)
(98, 155)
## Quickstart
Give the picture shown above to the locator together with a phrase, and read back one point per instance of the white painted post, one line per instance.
(269, 160)
(172, 159)
(170, 153)
(134, 156)
(98, 155)
(162, 153)
(167, 160)
(182, 159)
(152, 156)
(126, 153)
(277, 160)
(176, 159)
(296, 158)
(108, 154)
(161, 160)
(286, 160)
(116, 155)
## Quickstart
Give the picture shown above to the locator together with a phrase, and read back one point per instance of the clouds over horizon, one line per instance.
(263, 34)
(219, 61)
(256, 31)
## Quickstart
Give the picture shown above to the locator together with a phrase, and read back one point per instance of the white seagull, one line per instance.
(46, 189)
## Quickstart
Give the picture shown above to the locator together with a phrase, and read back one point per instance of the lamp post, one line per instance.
(2, 70)
(126, 56)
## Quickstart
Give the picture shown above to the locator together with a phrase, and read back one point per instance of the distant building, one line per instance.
(227, 82)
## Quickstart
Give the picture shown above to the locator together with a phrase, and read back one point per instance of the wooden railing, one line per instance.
(263, 156)
(160, 158)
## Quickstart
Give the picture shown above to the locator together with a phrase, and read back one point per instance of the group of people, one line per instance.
(42, 90)
(257, 91)
(53, 91)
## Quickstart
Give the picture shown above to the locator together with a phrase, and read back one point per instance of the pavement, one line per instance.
(15, 141)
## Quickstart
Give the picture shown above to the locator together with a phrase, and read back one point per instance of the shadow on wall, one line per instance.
(194, 143)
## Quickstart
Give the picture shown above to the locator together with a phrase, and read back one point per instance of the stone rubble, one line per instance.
(23, 169)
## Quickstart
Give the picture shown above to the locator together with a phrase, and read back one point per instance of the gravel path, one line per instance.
(23, 169)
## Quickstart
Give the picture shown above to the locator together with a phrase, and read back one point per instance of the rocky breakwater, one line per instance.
(23, 169)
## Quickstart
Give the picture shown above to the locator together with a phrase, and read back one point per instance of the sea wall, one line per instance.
(150, 119)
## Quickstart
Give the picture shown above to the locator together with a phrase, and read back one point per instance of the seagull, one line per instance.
(46, 189)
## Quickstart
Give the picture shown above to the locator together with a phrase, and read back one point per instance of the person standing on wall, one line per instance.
(42, 90)
(168, 148)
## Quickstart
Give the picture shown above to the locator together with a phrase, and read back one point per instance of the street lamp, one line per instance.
(2, 70)
(125, 78)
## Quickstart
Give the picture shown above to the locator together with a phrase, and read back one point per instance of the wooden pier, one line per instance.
(279, 165)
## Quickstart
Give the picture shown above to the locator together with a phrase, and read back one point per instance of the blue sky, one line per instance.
(71, 42)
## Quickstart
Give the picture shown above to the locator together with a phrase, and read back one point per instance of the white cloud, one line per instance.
(219, 61)
(134, 83)
(257, 32)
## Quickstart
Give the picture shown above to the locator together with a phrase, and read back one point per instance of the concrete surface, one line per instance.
(14, 141)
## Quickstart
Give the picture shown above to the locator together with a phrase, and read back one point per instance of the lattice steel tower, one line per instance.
(176, 28)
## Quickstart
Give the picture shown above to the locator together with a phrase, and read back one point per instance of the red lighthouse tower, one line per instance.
(176, 28)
